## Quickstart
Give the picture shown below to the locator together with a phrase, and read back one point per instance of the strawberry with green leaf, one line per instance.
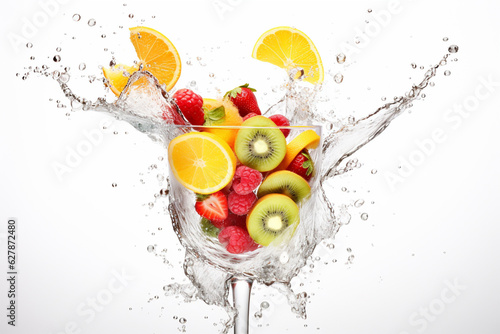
(302, 165)
(244, 99)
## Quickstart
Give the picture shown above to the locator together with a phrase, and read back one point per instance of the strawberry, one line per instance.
(244, 99)
(190, 105)
(302, 165)
(281, 120)
(213, 206)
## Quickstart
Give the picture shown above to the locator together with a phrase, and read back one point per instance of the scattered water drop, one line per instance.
(103, 36)
(58, 49)
(91, 23)
(453, 48)
(182, 320)
(344, 189)
(151, 249)
(211, 75)
(56, 75)
(258, 315)
(369, 10)
(359, 203)
(76, 17)
(29, 45)
(32, 58)
(413, 65)
(351, 119)
(188, 62)
(341, 58)
(374, 171)
(151, 205)
(338, 78)
(445, 39)
(447, 72)
(82, 66)
(264, 305)
(114, 185)
(364, 216)
(131, 16)
(284, 257)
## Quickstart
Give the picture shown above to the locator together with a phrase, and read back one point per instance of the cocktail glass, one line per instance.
(278, 262)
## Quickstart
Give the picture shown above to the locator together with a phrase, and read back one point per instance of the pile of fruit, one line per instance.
(248, 181)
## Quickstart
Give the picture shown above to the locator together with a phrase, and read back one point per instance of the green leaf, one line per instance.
(208, 228)
(233, 93)
(201, 198)
(215, 116)
(308, 164)
(246, 86)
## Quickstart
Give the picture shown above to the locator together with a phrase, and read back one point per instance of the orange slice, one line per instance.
(288, 48)
(156, 54)
(308, 139)
(201, 162)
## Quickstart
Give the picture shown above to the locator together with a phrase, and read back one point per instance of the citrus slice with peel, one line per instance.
(289, 48)
(308, 139)
(157, 55)
(201, 162)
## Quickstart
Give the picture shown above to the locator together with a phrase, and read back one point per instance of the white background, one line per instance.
(437, 226)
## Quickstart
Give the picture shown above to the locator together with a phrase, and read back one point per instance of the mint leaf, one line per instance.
(215, 116)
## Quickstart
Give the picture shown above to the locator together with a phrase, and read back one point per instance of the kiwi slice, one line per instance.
(270, 217)
(286, 183)
(260, 148)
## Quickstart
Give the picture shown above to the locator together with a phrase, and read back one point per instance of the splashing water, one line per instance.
(146, 105)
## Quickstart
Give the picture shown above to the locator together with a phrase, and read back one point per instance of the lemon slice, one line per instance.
(201, 162)
(156, 54)
(308, 139)
(288, 48)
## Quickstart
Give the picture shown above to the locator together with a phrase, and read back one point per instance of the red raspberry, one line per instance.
(281, 120)
(250, 115)
(236, 240)
(190, 105)
(241, 204)
(246, 180)
(232, 220)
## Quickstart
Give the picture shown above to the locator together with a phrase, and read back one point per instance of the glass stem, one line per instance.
(241, 287)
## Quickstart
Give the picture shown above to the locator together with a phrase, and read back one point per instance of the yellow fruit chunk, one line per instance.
(156, 55)
(201, 162)
(308, 139)
(288, 48)
(231, 118)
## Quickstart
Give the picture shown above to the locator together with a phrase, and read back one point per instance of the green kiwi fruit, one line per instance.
(270, 217)
(286, 183)
(260, 148)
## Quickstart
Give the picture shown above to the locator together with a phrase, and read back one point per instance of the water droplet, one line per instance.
(359, 203)
(131, 16)
(188, 62)
(364, 216)
(103, 36)
(164, 192)
(151, 248)
(284, 257)
(344, 189)
(341, 58)
(198, 58)
(29, 45)
(383, 98)
(91, 23)
(447, 73)
(64, 77)
(182, 320)
(374, 171)
(258, 315)
(192, 83)
(338, 78)
(445, 39)
(264, 305)
(82, 66)
(76, 17)
(32, 58)
(453, 48)
(211, 75)
(423, 96)
(369, 10)
(114, 185)
(432, 84)
(351, 119)
(413, 65)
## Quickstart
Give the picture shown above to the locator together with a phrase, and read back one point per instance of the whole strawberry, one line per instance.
(302, 165)
(244, 99)
(190, 105)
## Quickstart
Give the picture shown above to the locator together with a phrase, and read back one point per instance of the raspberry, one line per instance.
(241, 204)
(246, 180)
(250, 115)
(281, 120)
(231, 220)
(236, 240)
(190, 105)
